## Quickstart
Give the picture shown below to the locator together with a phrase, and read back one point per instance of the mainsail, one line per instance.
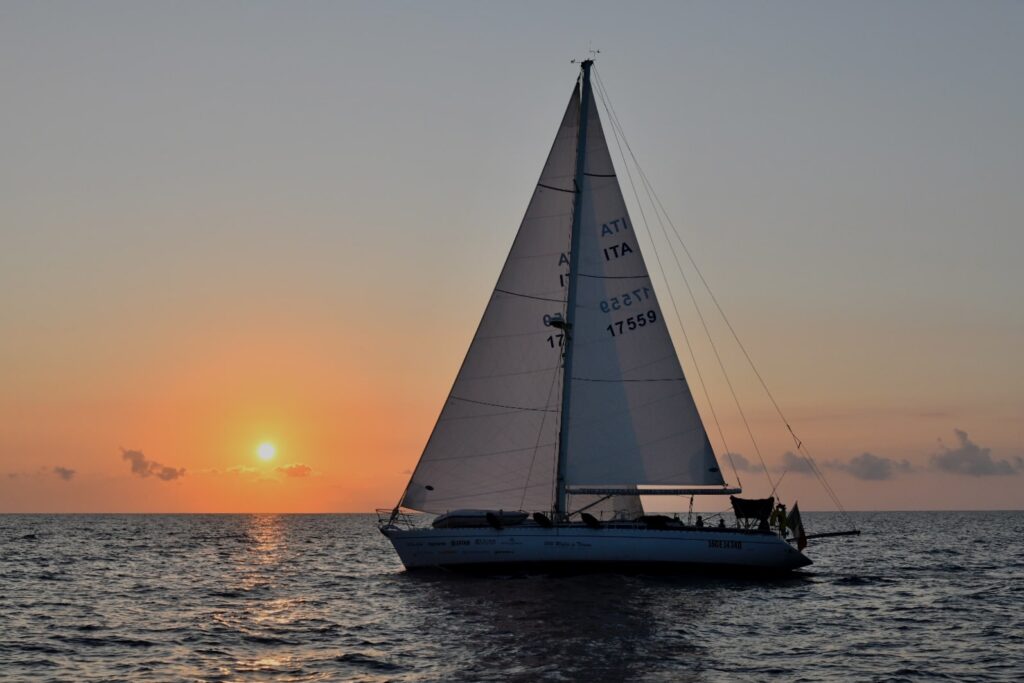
(631, 418)
(495, 442)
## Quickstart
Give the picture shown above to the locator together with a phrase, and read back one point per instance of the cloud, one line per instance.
(296, 470)
(64, 473)
(973, 460)
(791, 462)
(739, 462)
(168, 473)
(150, 468)
(871, 467)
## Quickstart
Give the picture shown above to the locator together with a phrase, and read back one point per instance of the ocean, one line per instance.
(918, 596)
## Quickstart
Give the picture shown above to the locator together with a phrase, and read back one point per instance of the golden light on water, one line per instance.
(266, 451)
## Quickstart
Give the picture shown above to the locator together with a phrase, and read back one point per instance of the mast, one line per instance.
(570, 312)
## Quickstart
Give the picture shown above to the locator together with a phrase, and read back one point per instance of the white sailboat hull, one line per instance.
(578, 545)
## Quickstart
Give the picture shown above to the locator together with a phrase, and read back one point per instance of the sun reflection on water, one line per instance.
(266, 609)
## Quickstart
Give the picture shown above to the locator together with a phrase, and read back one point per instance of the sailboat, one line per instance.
(571, 403)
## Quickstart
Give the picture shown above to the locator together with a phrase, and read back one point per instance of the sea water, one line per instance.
(918, 596)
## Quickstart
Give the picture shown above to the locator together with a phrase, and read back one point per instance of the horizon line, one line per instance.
(373, 512)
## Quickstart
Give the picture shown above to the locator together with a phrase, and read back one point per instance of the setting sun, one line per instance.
(266, 451)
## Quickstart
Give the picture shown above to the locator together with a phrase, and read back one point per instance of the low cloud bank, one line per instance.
(739, 461)
(296, 470)
(791, 462)
(973, 460)
(143, 467)
(64, 473)
(871, 467)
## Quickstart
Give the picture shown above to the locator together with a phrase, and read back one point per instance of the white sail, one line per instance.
(604, 507)
(495, 442)
(632, 419)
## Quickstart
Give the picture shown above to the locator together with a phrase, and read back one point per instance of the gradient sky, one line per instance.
(227, 223)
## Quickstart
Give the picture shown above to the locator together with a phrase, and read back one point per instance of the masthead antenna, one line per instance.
(593, 54)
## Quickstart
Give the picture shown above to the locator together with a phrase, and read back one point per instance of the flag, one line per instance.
(796, 524)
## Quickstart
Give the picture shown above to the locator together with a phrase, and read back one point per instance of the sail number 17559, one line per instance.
(632, 322)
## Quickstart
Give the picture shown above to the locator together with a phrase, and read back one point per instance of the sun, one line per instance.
(266, 451)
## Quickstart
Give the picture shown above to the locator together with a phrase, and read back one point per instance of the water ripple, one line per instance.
(921, 596)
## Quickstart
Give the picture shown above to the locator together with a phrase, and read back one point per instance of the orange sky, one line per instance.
(326, 399)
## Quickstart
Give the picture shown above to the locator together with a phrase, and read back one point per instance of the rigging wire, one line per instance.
(540, 434)
(617, 130)
(657, 255)
(798, 443)
(659, 211)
